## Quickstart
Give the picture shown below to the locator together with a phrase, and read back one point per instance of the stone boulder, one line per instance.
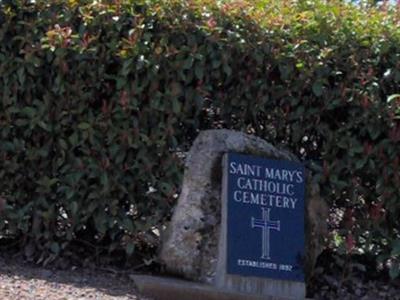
(190, 244)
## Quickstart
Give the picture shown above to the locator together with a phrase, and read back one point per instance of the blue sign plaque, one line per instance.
(265, 217)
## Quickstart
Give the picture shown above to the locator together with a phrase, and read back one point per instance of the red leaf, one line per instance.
(367, 148)
(211, 23)
(2, 204)
(365, 102)
(375, 212)
(326, 169)
(123, 100)
(350, 242)
(348, 218)
(104, 107)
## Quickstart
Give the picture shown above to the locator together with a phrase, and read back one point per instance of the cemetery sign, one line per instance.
(265, 217)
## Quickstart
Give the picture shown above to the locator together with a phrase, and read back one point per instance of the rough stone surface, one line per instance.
(190, 244)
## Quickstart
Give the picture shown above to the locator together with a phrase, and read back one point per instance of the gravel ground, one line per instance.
(21, 281)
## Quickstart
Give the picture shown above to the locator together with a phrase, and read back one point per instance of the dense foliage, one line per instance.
(100, 98)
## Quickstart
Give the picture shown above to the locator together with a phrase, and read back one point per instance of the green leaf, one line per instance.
(21, 122)
(29, 111)
(394, 270)
(126, 67)
(130, 248)
(392, 97)
(188, 63)
(104, 181)
(360, 163)
(128, 224)
(227, 70)
(84, 126)
(55, 247)
(73, 139)
(74, 207)
(44, 126)
(317, 88)
(374, 132)
(100, 221)
(69, 193)
(199, 71)
(63, 144)
(395, 248)
(176, 106)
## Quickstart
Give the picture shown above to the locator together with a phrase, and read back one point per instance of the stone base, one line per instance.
(167, 288)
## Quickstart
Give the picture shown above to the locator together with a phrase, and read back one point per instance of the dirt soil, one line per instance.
(23, 281)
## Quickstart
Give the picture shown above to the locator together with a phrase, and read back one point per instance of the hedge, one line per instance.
(100, 100)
